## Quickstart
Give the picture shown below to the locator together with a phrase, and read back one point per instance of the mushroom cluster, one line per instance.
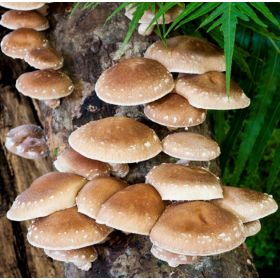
(185, 210)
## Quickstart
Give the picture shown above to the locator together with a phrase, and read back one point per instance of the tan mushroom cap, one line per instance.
(252, 228)
(172, 259)
(24, 6)
(82, 258)
(197, 229)
(49, 193)
(44, 58)
(71, 161)
(186, 54)
(134, 209)
(179, 182)
(18, 42)
(95, 193)
(248, 205)
(190, 146)
(24, 19)
(116, 140)
(45, 84)
(208, 91)
(134, 81)
(174, 110)
(66, 230)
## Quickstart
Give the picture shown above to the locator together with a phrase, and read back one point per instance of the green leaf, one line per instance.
(274, 170)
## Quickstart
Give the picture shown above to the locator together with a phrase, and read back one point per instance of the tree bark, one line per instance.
(89, 48)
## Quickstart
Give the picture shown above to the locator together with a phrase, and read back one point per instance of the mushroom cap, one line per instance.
(190, 146)
(179, 182)
(248, 205)
(49, 193)
(24, 19)
(18, 42)
(197, 228)
(44, 58)
(134, 81)
(116, 140)
(27, 141)
(82, 257)
(252, 228)
(208, 91)
(186, 54)
(45, 84)
(172, 259)
(24, 6)
(135, 209)
(95, 193)
(66, 230)
(71, 161)
(174, 110)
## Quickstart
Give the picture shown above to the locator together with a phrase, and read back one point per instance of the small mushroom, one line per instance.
(82, 258)
(252, 228)
(135, 209)
(179, 182)
(95, 193)
(145, 81)
(71, 161)
(66, 230)
(24, 19)
(119, 169)
(23, 6)
(208, 91)
(27, 141)
(49, 193)
(190, 146)
(186, 54)
(116, 140)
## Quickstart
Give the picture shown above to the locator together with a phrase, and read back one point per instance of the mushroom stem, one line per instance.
(142, 29)
(52, 103)
(119, 169)
(183, 161)
(44, 10)
(172, 128)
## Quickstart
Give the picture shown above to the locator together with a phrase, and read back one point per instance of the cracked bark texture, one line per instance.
(89, 48)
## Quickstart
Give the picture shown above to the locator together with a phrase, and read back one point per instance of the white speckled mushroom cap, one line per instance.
(190, 146)
(174, 110)
(44, 58)
(45, 84)
(95, 193)
(134, 81)
(197, 229)
(116, 140)
(248, 205)
(24, 19)
(135, 209)
(18, 42)
(71, 161)
(179, 182)
(49, 193)
(208, 91)
(252, 228)
(186, 54)
(66, 230)
(24, 6)
(82, 258)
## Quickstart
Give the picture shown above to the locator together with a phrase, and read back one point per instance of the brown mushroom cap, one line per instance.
(134, 81)
(24, 6)
(66, 230)
(49, 193)
(186, 54)
(248, 205)
(197, 229)
(18, 42)
(208, 91)
(190, 146)
(27, 141)
(252, 228)
(82, 257)
(95, 193)
(71, 161)
(174, 110)
(45, 84)
(134, 209)
(24, 19)
(179, 182)
(116, 140)
(44, 58)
